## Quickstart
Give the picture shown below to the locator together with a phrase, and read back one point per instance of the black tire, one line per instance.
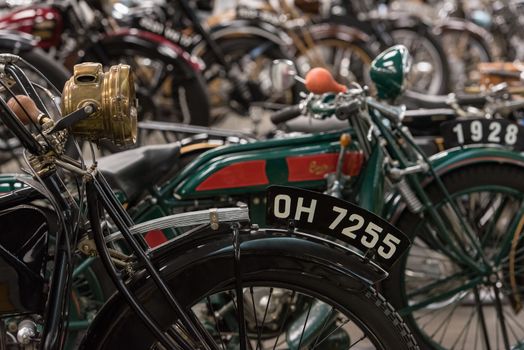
(507, 178)
(192, 279)
(224, 97)
(434, 47)
(56, 73)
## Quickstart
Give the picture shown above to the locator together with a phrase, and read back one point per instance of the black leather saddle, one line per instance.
(133, 171)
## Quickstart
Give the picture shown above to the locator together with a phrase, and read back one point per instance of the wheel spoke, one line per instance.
(464, 332)
(265, 315)
(328, 318)
(282, 324)
(500, 316)
(210, 306)
(482, 319)
(305, 323)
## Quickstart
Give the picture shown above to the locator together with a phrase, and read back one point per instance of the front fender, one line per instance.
(312, 254)
(133, 41)
(455, 159)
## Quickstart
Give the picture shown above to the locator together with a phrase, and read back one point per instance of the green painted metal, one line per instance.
(9, 182)
(441, 297)
(78, 325)
(457, 158)
(371, 184)
(82, 266)
(274, 152)
(388, 71)
(452, 159)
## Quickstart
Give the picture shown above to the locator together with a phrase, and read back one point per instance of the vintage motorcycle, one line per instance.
(463, 207)
(170, 85)
(269, 284)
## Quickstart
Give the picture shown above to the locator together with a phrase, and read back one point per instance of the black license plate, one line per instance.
(315, 212)
(483, 131)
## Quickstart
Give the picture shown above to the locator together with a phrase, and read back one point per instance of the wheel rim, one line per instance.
(347, 62)
(453, 307)
(427, 71)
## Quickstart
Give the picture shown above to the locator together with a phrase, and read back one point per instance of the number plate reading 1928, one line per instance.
(316, 212)
(483, 131)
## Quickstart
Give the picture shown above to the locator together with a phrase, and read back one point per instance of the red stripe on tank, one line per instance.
(244, 174)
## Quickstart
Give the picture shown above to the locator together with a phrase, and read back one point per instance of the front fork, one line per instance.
(451, 248)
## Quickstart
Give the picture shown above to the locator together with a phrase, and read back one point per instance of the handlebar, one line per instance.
(345, 111)
(478, 100)
(286, 114)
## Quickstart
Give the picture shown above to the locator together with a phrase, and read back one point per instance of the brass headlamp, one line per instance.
(113, 94)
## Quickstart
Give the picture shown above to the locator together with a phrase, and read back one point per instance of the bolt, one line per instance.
(88, 109)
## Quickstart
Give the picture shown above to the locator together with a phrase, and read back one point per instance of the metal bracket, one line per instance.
(213, 219)
(88, 247)
(195, 218)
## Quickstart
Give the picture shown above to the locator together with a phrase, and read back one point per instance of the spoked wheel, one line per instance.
(348, 62)
(453, 304)
(464, 52)
(280, 300)
(429, 72)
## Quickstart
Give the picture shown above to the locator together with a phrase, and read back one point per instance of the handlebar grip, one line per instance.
(286, 114)
(21, 105)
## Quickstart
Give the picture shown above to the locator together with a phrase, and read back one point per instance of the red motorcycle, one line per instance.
(170, 86)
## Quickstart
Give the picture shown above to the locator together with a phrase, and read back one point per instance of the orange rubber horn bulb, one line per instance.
(320, 81)
(24, 103)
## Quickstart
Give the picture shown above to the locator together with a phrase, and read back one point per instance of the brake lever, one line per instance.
(74, 117)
